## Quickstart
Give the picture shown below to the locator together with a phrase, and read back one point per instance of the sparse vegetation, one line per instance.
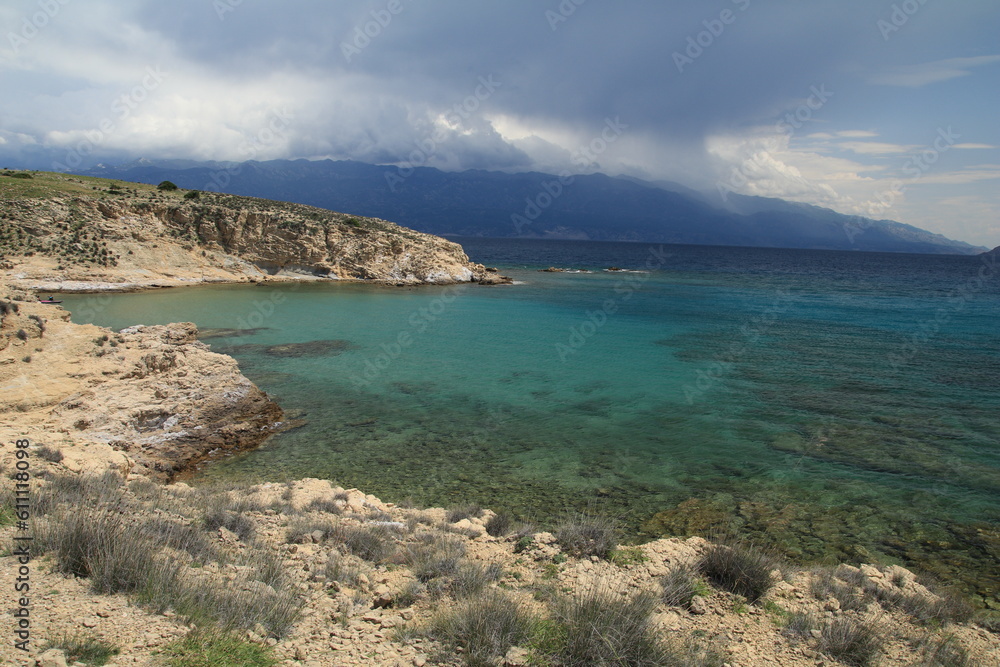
(433, 555)
(213, 649)
(49, 454)
(88, 650)
(944, 651)
(743, 570)
(587, 535)
(461, 512)
(852, 641)
(94, 530)
(500, 524)
(375, 544)
(680, 585)
(485, 627)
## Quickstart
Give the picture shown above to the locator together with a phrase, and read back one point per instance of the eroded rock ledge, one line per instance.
(150, 398)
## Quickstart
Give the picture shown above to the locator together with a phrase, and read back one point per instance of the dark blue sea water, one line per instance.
(834, 405)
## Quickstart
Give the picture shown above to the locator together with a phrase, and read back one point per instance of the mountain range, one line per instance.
(537, 205)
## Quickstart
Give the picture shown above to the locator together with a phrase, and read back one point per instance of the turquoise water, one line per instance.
(834, 405)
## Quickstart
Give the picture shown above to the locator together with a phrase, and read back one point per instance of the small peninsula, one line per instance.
(69, 233)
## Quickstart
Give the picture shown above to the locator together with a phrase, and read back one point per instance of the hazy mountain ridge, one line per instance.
(537, 205)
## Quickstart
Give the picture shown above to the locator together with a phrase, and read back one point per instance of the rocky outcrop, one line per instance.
(150, 398)
(67, 240)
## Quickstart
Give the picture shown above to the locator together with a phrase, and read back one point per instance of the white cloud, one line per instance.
(875, 148)
(916, 76)
(974, 146)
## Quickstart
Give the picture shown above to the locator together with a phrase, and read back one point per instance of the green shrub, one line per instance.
(743, 570)
(193, 194)
(88, 650)
(166, 186)
(586, 535)
(854, 642)
(20, 174)
(207, 649)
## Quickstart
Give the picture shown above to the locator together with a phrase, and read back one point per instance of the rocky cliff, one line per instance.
(57, 231)
(149, 398)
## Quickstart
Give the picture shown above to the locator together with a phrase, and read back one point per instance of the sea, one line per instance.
(832, 406)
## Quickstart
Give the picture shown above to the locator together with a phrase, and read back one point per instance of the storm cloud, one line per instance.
(827, 102)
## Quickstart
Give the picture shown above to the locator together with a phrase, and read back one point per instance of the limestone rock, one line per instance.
(52, 658)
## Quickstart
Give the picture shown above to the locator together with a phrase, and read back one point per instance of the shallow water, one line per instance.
(835, 405)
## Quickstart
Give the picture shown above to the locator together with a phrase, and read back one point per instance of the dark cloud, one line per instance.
(371, 80)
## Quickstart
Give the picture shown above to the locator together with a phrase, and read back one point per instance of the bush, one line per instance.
(338, 568)
(842, 585)
(485, 627)
(679, 586)
(84, 649)
(375, 544)
(117, 557)
(166, 186)
(193, 194)
(433, 556)
(851, 641)
(243, 526)
(585, 535)
(471, 578)
(206, 649)
(303, 531)
(325, 505)
(743, 570)
(601, 627)
(500, 524)
(800, 625)
(50, 454)
(944, 652)
(456, 514)
(237, 605)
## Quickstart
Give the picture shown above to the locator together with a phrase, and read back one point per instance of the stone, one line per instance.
(698, 605)
(52, 658)
(517, 657)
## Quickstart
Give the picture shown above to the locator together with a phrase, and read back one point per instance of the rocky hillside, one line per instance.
(58, 230)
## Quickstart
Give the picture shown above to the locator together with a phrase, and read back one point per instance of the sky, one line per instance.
(873, 107)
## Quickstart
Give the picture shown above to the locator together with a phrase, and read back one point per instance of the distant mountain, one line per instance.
(497, 204)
